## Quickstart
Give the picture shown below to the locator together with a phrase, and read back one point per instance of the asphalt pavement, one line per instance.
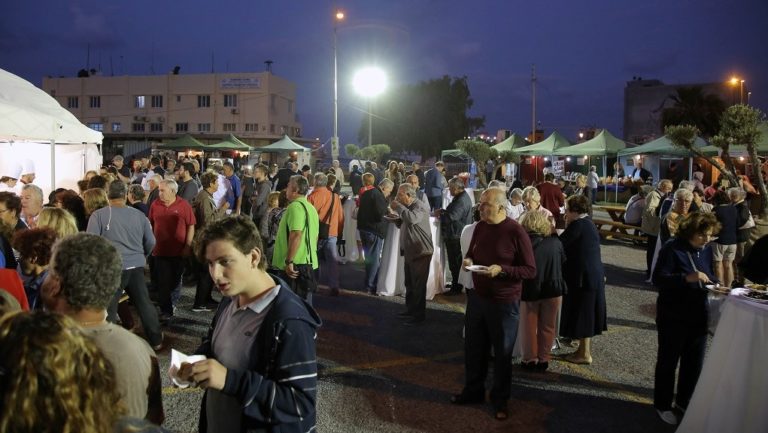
(377, 375)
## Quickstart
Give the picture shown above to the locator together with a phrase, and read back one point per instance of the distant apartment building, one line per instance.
(645, 100)
(136, 111)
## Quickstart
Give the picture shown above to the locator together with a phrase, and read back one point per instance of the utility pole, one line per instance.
(533, 103)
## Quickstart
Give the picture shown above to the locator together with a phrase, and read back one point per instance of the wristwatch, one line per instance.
(288, 262)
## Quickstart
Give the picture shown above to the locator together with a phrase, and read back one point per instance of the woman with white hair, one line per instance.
(532, 201)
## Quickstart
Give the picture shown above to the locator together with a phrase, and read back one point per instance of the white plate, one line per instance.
(391, 217)
(476, 268)
(720, 290)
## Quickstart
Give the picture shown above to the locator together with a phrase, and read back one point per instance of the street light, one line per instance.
(335, 138)
(370, 82)
(740, 82)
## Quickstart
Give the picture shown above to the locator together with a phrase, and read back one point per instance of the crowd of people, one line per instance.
(267, 239)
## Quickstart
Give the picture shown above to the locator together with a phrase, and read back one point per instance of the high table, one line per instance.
(732, 392)
(392, 272)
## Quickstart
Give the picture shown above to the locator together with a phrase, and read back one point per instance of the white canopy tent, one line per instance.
(34, 127)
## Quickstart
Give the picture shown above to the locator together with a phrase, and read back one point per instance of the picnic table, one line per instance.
(615, 227)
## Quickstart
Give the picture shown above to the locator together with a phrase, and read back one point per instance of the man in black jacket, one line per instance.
(373, 227)
(355, 180)
(452, 221)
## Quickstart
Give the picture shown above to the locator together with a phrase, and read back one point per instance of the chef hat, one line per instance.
(14, 171)
(28, 167)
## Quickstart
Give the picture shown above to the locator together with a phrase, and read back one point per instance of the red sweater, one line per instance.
(551, 197)
(505, 244)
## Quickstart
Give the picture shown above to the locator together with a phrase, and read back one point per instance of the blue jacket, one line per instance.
(680, 301)
(434, 182)
(457, 215)
(278, 392)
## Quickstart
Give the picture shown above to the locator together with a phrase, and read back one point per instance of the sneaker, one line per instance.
(668, 416)
(201, 308)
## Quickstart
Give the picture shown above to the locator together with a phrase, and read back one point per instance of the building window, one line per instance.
(137, 127)
(73, 102)
(182, 127)
(157, 101)
(96, 126)
(251, 127)
(138, 102)
(203, 101)
(95, 101)
(272, 128)
(230, 100)
(203, 127)
(116, 127)
(290, 106)
(229, 127)
(155, 127)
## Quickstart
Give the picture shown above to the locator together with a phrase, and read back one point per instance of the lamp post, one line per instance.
(335, 138)
(740, 82)
(370, 82)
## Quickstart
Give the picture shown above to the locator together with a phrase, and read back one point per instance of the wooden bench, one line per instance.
(617, 229)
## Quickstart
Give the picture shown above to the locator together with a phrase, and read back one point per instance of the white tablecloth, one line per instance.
(350, 231)
(391, 271)
(732, 392)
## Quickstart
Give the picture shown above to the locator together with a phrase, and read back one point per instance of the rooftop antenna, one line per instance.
(269, 65)
(88, 58)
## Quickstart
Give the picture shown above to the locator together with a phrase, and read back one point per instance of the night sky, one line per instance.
(584, 51)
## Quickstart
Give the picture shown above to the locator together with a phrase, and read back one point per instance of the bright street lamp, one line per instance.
(335, 138)
(740, 82)
(370, 82)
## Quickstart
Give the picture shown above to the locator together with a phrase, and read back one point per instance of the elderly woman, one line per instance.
(681, 205)
(95, 199)
(584, 311)
(633, 212)
(682, 311)
(516, 204)
(542, 295)
(34, 246)
(61, 221)
(532, 201)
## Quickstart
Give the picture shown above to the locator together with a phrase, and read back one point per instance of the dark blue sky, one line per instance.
(584, 51)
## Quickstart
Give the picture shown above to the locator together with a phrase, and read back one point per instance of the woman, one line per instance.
(393, 174)
(72, 203)
(277, 202)
(584, 312)
(582, 189)
(516, 204)
(532, 201)
(56, 379)
(681, 204)
(94, 199)
(34, 247)
(633, 212)
(682, 311)
(737, 196)
(542, 296)
(255, 381)
(206, 212)
(10, 211)
(61, 221)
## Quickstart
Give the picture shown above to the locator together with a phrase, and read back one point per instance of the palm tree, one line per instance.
(694, 107)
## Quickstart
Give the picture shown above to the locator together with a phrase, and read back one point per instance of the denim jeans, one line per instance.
(372, 246)
(329, 261)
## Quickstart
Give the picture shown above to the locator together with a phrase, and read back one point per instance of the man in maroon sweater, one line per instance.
(552, 198)
(501, 246)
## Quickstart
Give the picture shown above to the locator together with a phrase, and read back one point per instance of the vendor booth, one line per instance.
(535, 157)
(285, 145)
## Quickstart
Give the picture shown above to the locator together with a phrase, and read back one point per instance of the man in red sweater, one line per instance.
(501, 257)
(552, 198)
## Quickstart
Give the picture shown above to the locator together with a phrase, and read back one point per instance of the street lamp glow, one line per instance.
(370, 82)
(339, 15)
(734, 81)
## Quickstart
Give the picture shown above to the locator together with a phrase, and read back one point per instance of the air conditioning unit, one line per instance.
(161, 119)
(235, 111)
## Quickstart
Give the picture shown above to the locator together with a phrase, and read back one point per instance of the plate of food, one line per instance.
(757, 296)
(476, 268)
(757, 287)
(391, 217)
(716, 288)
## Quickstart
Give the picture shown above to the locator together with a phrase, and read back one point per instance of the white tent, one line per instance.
(33, 126)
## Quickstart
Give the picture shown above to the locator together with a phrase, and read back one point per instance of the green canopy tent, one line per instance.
(514, 141)
(663, 146)
(285, 144)
(187, 142)
(229, 143)
(547, 147)
(603, 144)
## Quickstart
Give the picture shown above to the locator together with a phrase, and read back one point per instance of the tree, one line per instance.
(426, 117)
(693, 107)
(480, 151)
(684, 136)
(374, 152)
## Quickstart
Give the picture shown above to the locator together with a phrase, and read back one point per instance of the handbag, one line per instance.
(750, 222)
(325, 226)
(305, 282)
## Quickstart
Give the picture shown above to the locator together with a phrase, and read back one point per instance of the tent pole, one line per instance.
(53, 165)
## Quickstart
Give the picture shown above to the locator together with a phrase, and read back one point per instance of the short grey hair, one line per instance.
(35, 190)
(531, 193)
(88, 269)
(456, 183)
(156, 178)
(687, 184)
(302, 185)
(736, 193)
(516, 192)
(499, 197)
(171, 184)
(116, 190)
(684, 194)
(386, 183)
(321, 179)
(497, 184)
(407, 189)
(136, 191)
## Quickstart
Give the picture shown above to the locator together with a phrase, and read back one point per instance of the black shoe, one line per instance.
(542, 366)
(466, 399)
(404, 314)
(413, 322)
(452, 292)
(529, 365)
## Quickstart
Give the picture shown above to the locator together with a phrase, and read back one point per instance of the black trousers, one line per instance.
(416, 275)
(435, 202)
(650, 249)
(453, 255)
(204, 285)
(684, 343)
(133, 283)
(489, 324)
(168, 272)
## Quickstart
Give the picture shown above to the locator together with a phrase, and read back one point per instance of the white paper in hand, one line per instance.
(178, 358)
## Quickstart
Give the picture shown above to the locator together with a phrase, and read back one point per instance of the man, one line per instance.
(128, 230)
(377, 173)
(284, 175)
(173, 222)
(593, 180)
(136, 199)
(639, 173)
(414, 181)
(10, 211)
(123, 171)
(206, 213)
(187, 186)
(31, 204)
(137, 172)
(651, 221)
(355, 180)
(372, 227)
(236, 198)
(338, 171)
(261, 189)
(501, 245)
(416, 169)
(247, 183)
(84, 273)
(224, 192)
(452, 221)
(295, 253)
(155, 169)
(170, 166)
(434, 183)
(416, 247)
(153, 182)
(330, 212)
(552, 198)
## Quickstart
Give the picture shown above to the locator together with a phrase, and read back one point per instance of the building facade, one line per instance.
(258, 108)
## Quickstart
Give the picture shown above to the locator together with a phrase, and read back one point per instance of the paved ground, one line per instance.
(379, 376)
